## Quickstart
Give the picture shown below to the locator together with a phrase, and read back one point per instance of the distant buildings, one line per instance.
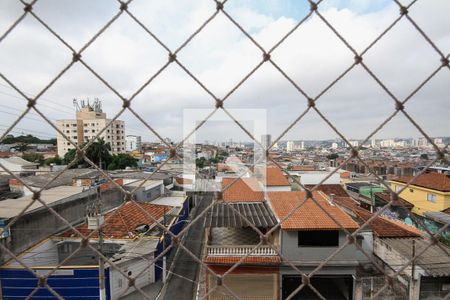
(90, 120)
(387, 143)
(354, 143)
(133, 143)
(266, 140)
(290, 146)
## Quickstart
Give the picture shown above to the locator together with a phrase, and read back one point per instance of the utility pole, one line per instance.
(95, 222)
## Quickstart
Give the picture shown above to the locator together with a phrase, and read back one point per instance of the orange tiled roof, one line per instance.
(434, 181)
(399, 202)
(447, 210)
(275, 177)
(243, 190)
(181, 180)
(328, 189)
(385, 228)
(381, 227)
(123, 221)
(310, 216)
(226, 260)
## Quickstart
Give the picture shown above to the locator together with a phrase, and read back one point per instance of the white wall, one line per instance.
(119, 283)
(315, 177)
(278, 188)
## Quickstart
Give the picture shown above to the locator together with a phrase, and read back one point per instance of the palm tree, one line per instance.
(99, 153)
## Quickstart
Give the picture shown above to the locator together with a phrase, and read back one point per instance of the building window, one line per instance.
(431, 197)
(318, 238)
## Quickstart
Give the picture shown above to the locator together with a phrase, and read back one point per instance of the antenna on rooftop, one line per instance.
(75, 103)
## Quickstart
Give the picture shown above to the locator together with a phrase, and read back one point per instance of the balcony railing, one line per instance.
(240, 251)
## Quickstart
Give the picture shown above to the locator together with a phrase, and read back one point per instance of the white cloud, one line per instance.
(221, 55)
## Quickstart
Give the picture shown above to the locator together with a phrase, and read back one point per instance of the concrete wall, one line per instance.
(147, 195)
(38, 225)
(309, 255)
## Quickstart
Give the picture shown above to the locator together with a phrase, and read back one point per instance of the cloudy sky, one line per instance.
(220, 56)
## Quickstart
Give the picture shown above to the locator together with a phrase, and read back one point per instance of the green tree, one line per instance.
(121, 161)
(53, 160)
(21, 147)
(332, 156)
(28, 139)
(97, 152)
(70, 156)
(34, 157)
(200, 162)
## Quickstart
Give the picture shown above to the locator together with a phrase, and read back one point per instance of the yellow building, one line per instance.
(429, 192)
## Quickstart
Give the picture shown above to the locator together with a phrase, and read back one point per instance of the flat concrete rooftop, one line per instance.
(12, 207)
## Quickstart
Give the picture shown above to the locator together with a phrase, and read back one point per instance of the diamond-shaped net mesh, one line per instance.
(385, 284)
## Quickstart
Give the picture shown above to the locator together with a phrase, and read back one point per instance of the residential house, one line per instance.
(309, 236)
(231, 238)
(131, 240)
(430, 192)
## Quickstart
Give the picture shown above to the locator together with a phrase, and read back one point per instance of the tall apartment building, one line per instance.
(266, 140)
(90, 120)
(133, 142)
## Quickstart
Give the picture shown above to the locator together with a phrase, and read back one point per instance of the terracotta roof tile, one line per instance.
(434, 181)
(385, 228)
(226, 260)
(381, 227)
(276, 177)
(243, 190)
(399, 202)
(328, 189)
(447, 210)
(181, 180)
(309, 216)
(123, 221)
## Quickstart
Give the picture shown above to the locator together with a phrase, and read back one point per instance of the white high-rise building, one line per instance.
(334, 145)
(133, 142)
(302, 145)
(290, 146)
(90, 120)
(354, 143)
(387, 143)
(266, 140)
(373, 143)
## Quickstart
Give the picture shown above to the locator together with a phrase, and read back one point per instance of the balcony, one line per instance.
(262, 250)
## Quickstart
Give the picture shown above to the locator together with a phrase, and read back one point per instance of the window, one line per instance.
(431, 197)
(318, 238)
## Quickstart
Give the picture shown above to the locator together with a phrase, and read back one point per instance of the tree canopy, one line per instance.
(99, 153)
(27, 139)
